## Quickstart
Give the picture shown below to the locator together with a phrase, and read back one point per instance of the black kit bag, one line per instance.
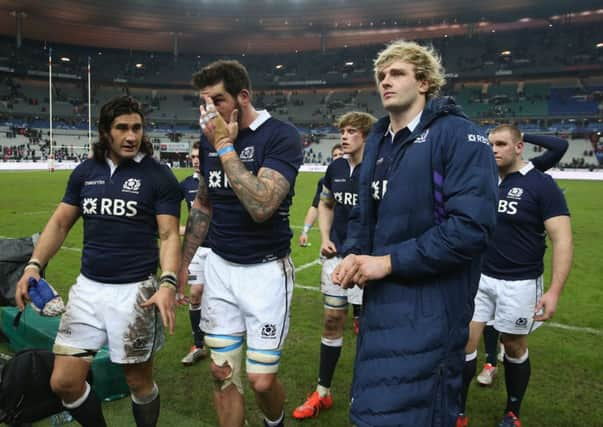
(25, 393)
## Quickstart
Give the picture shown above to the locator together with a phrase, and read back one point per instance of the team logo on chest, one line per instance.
(515, 193)
(422, 138)
(131, 185)
(247, 154)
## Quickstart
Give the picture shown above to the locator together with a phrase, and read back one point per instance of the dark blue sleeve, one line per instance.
(74, 185)
(469, 193)
(551, 199)
(168, 194)
(316, 199)
(327, 182)
(284, 153)
(555, 149)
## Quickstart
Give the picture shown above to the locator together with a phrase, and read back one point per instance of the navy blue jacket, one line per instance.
(435, 221)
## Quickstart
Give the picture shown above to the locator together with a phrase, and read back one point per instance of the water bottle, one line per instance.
(61, 418)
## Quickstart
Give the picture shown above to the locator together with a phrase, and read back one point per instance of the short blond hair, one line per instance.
(513, 131)
(426, 61)
(357, 119)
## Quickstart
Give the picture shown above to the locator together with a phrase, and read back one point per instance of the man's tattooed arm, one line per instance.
(262, 194)
(197, 225)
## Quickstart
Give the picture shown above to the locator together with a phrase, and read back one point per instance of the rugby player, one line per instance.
(127, 200)
(249, 162)
(426, 208)
(555, 148)
(531, 206)
(189, 187)
(312, 213)
(339, 196)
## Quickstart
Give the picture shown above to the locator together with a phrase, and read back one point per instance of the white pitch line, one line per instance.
(308, 265)
(574, 328)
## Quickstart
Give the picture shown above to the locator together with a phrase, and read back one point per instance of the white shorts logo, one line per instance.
(269, 331)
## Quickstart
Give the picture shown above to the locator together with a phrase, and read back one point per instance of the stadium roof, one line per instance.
(260, 26)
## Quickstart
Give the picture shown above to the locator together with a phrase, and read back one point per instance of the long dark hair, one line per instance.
(116, 107)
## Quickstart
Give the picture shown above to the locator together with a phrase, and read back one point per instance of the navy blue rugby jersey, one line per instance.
(233, 234)
(119, 212)
(316, 198)
(384, 159)
(189, 187)
(526, 199)
(342, 181)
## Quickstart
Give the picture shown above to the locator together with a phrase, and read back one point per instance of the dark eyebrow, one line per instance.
(125, 126)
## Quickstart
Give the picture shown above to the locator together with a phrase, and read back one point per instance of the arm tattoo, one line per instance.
(197, 224)
(261, 195)
(327, 197)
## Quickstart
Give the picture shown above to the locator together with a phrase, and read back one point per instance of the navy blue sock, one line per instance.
(517, 377)
(329, 355)
(491, 337)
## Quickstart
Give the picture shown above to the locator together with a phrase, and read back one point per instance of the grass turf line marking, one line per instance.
(308, 265)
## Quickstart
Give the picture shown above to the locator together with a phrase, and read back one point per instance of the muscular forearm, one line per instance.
(261, 195)
(169, 252)
(325, 220)
(54, 234)
(561, 264)
(196, 231)
(311, 216)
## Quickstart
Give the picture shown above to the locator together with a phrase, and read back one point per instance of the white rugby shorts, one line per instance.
(100, 313)
(251, 298)
(327, 287)
(196, 269)
(510, 303)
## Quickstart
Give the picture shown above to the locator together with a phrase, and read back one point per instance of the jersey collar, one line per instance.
(112, 166)
(527, 168)
(263, 115)
(411, 126)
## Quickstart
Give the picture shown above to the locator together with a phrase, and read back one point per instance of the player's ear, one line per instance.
(244, 97)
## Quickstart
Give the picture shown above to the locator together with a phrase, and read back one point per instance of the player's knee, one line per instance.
(261, 383)
(226, 355)
(333, 323)
(262, 366)
(196, 292)
(66, 386)
(515, 347)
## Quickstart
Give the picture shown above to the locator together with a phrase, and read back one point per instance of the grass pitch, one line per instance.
(567, 367)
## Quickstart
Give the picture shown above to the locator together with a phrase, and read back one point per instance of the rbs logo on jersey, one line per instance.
(114, 207)
(506, 207)
(345, 198)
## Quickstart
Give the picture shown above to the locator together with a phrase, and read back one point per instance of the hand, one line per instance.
(360, 269)
(303, 240)
(548, 305)
(328, 249)
(165, 300)
(22, 290)
(214, 127)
